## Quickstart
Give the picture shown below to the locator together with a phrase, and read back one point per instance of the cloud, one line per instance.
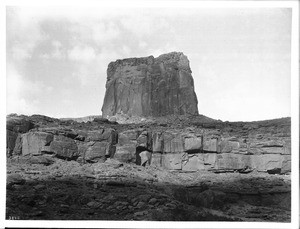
(142, 25)
(82, 53)
(22, 35)
(143, 44)
(57, 51)
(166, 48)
(15, 103)
(83, 75)
(104, 32)
(74, 13)
(89, 72)
(22, 95)
(20, 52)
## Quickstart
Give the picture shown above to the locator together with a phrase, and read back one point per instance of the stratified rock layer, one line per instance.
(150, 87)
(219, 147)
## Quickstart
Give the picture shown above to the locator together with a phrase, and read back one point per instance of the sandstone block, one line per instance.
(265, 162)
(96, 152)
(173, 143)
(210, 145)
(194, 163)
(210, 158)
(144, 140)
(156, 159)
(172, 161)
(64, 147)
(230, 161)
(108, 135)
(33, 142)
(126, 153)
(127, 137)
(286, 164)
(193, 144)
(268, 147)
(226, 146)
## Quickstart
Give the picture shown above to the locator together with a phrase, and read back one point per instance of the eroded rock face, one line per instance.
(150, 87)
(230, 147)
(204, 149)
(16, 125)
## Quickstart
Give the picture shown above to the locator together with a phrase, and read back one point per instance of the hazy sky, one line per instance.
(240, 57)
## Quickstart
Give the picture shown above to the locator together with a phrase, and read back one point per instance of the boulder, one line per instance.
(126, 153)
(16, 125)
(70, 133)
(286, 164)
(267, 147)
(150, 86)
(210, 145)
(114, 163)
(231, 161)
(265, 162)
(194, 162)
(193, 144)
(82, 148)
(108, 135)
(96, 151)
(145, 157)
(127, 137)
(156, 159)
(209, 158)
(19, 124)
(63, 147)
(33, 142)
(172, 161)
(94, 135)
(173, 143)
(229, 146)
(144, 140)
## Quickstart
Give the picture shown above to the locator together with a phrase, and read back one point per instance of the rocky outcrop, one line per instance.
(90, 146)
(203, 149)
(240, 148)
(150, 87)
(16, 125)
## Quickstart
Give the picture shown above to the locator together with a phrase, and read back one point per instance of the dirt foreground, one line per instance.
(55, 189)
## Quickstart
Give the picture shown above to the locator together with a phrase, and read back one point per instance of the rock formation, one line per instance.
(16, 125)
(150, 87)
(54, 162)
(160, 168)
(219, 147)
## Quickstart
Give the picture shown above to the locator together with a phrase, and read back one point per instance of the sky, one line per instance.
(56, 57)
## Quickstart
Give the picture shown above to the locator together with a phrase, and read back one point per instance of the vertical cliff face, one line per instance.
(150, 87)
